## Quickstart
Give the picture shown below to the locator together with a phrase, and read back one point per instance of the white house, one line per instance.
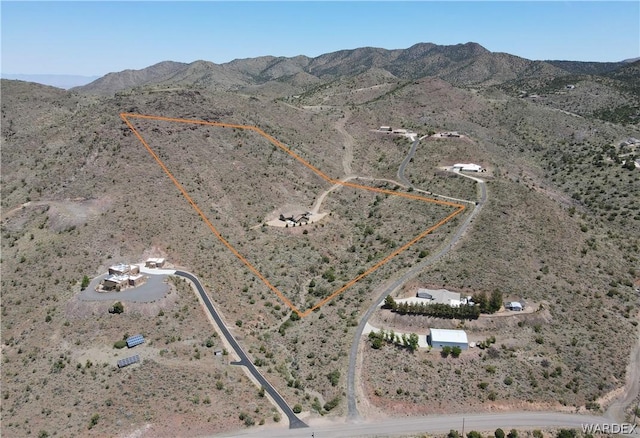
(470, 167)
(441, 296)
(438, 338)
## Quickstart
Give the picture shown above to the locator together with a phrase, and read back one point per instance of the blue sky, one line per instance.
(95, 38)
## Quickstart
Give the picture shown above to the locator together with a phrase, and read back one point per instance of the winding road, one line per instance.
(294, 421)
(352, 409)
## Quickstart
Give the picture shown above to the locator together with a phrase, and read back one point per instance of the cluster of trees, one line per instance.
(483, 304)
(490, 304)
(380, 338)
(453, 351)
(436, 310)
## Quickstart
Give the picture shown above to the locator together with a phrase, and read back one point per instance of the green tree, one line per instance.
(329, 275)
(567, 433)
(453, 434)
(512, 434)
(481, 301)
(446, 350)
(376, 341)
(334, 377)
(495, 302)
(629, 164)
(499, 433)
(413, 342)
(85, 282)
(297, 409)
(389, 303)
(474, 434)
(455, 351)
(117, 308)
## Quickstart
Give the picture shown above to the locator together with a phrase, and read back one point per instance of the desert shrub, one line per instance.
(117, 308)
(332, 403)
(567, 433)
(297, 409)
(94, 420)
(120, 344)
(334, 377)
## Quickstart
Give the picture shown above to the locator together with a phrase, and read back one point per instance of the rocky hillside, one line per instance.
(461, 64)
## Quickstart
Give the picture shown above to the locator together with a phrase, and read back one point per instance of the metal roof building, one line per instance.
(470, 167)
(439, 338)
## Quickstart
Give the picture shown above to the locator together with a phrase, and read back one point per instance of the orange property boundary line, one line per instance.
(459, 208)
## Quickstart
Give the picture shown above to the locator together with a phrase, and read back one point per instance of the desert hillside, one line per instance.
(80, 192)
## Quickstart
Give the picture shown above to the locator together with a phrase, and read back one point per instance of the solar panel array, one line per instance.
(135, 340)
(128, 361)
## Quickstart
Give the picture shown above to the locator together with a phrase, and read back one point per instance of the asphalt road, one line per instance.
(433, 424)
(406, 161)
(294, 421)
(352, 408)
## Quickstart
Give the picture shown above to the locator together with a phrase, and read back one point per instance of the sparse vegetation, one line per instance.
(560, 229)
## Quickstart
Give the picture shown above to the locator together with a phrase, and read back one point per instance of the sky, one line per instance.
(93, 38)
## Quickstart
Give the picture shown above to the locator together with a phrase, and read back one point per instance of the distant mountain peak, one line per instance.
(460, 64)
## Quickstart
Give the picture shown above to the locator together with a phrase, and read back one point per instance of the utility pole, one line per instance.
(462, 427)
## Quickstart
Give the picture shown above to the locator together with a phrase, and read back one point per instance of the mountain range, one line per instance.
(460, 64)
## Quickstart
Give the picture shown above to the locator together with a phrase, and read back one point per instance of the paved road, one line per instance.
(432, 424)
(352, 409)
(294, 421)
(406, 161)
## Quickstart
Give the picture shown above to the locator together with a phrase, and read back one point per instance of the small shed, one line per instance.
(439, 338)
(514, 305)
